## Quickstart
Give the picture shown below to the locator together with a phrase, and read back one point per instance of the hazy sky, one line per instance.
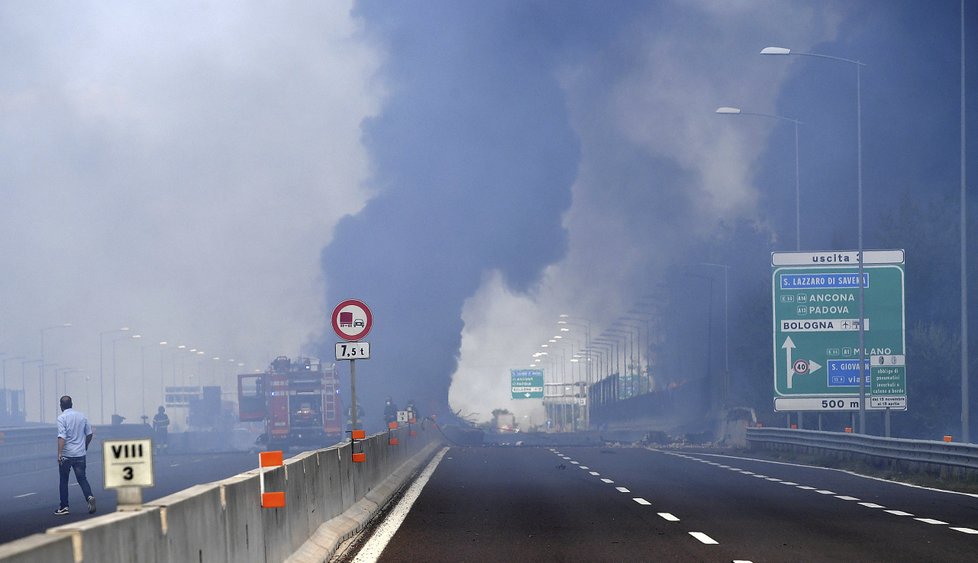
(219, 174)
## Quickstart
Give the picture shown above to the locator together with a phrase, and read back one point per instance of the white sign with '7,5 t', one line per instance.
(352, 350)
(127, 463)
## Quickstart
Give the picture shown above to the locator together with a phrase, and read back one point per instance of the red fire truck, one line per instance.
(299, 401)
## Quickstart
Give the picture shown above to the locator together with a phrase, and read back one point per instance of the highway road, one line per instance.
(635, 504)
(28, 500)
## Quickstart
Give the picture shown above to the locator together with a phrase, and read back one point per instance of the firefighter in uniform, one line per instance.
(161, 422)
(390, 411)
(349, 416)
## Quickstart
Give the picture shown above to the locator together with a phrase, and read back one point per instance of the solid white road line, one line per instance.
(642, 501)
(704, 538)
(854, 474)
(668, 517)
(386, 530)
(25, 495)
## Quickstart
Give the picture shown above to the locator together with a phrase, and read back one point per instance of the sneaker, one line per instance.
(61, 511)
(91, 505)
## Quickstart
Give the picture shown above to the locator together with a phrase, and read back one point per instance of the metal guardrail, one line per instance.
(915, 451)
(19, 441)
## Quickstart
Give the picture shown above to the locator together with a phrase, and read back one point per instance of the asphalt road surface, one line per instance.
(633, 504)
(28, 500)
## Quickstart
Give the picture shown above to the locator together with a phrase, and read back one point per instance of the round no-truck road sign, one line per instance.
(352, 319)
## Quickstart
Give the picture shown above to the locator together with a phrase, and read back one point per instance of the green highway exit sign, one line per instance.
(526, 383)
(816, 330)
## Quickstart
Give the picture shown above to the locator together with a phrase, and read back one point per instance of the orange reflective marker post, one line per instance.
(948, 438)
(355, 437)
(273, 499)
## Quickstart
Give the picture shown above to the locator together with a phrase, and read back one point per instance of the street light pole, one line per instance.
(23, 382)
(859, 176)
(162, 384)
(965, 415)
(587, 335)
(727, 110)
(115, 396)
(101, 370)
(726, 334)
(4, 384)
(5, 360)
(41, 388)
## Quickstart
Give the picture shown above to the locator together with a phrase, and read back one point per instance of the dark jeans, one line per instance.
(78, 463)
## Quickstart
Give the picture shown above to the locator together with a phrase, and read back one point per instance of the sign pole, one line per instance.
(353, 394)
(129, 499)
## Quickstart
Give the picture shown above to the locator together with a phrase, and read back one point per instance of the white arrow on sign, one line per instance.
(789, 345)
(527, 395)
(813, 366)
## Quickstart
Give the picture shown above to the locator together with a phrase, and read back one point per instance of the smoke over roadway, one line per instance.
(474, 160)
(532, 159)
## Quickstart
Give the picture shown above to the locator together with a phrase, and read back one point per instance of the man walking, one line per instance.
(74, 436)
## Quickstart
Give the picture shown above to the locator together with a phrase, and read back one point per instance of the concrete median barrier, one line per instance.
(328, 498)
(120, 537)
(39, 547)
(193, 522)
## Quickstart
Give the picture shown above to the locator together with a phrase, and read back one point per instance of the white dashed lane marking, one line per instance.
(25, 495)
(898, 513)
(844, 497)
(595, 473)
(965, 530)
(704, 538)
(668, 517)
(931, 521)
(870, 505)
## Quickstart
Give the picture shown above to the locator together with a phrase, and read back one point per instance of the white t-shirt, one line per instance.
(73, 427)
